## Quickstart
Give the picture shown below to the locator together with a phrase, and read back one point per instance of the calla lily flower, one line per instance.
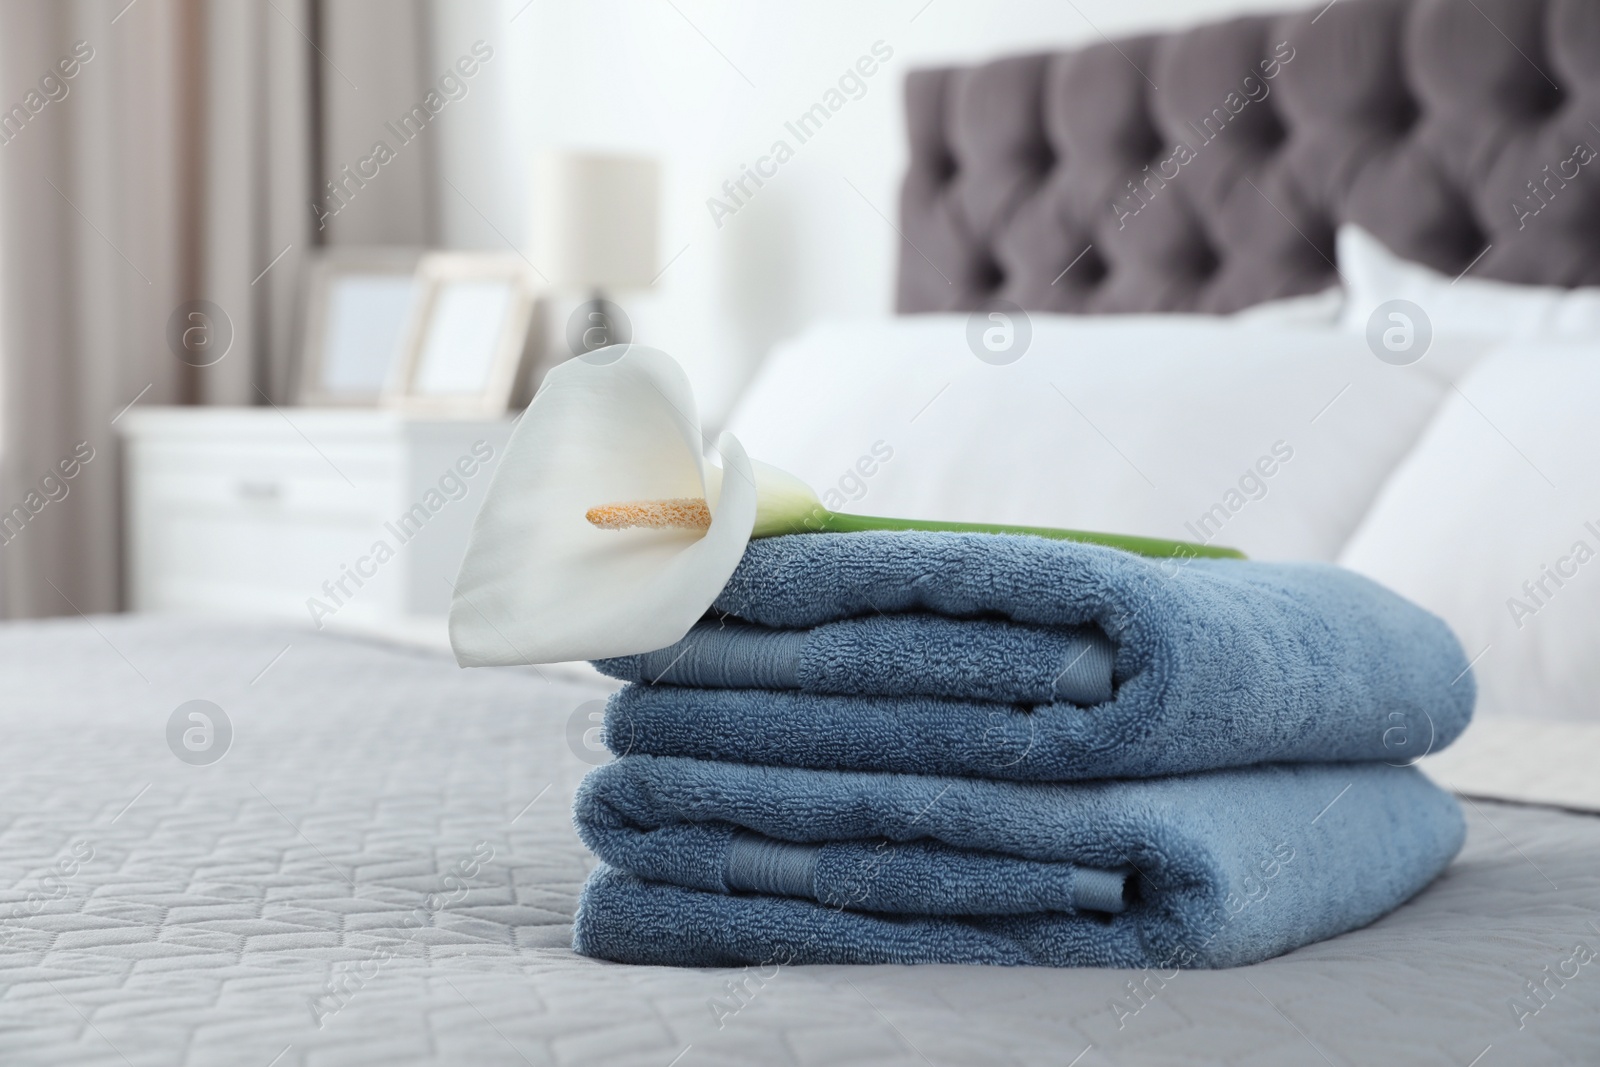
(605, 533)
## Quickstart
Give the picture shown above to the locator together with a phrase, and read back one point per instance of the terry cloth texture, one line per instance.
(953, 748)
(910, 654)
(1217, 663)
(716, 864)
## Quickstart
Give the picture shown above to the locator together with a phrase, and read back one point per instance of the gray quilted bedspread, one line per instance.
(381, 869)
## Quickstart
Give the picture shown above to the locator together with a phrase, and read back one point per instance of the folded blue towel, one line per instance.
(1217, 663)
(714, 864)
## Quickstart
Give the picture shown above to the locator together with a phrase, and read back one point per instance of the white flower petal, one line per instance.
(785, 503)
(539, 584)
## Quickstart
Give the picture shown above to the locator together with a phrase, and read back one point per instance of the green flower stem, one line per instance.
(836, 522)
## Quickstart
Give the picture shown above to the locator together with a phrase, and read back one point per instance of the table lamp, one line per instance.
(594, 227)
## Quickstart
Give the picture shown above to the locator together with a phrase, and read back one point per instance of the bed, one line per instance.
(359, 853)
(220, 913)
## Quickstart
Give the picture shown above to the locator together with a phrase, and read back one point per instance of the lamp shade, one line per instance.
(595, 219)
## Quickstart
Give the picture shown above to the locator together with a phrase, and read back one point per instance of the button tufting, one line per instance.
(1090, 268)
(1205, 261)
(1044, 158)
(1550, 99)
(1416, 115)
(1271, 132)
(1404, 114)
(1468, 239)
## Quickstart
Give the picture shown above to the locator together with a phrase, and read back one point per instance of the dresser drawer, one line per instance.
(357, 482)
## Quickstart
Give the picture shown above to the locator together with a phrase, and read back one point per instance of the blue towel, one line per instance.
(715, 864)
(1217, 663)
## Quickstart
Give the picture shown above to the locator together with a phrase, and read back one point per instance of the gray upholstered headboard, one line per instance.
(1443, 126)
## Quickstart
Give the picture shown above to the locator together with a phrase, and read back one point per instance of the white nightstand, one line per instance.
(347, 518)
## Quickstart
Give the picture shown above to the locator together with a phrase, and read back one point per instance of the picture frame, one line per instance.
(466, 342)
(358, 305)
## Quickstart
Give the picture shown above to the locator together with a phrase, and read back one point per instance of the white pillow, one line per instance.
(1466, 305)
(1185, 427)
(1501, 491)
(1313, 309)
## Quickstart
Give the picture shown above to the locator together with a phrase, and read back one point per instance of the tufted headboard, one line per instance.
(1207, 170)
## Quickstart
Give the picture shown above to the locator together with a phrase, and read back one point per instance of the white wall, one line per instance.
(707, 87)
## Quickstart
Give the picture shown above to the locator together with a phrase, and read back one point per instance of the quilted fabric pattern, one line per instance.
(1208, 170)
(224, 911)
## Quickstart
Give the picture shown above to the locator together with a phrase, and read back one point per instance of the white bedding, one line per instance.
(1269, 440)
(1493, 522)
(1464, 305)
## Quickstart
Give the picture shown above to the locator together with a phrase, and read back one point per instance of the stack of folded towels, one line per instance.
(956, 748)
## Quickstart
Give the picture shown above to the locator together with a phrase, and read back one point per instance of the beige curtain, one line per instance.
(154, 154)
